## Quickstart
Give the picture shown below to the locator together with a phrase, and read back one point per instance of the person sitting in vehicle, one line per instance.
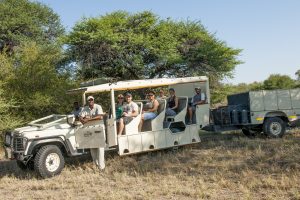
(172, 103)
(77, 110)
(150, 109)
(119, 106)
(198, 99)
(130, 110)
(161, 95)
(91, 112)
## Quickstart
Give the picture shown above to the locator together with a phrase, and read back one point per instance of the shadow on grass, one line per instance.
(228, 153)
(10, 168)
(264, 155)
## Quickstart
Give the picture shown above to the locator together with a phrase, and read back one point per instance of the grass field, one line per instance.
(221, 167)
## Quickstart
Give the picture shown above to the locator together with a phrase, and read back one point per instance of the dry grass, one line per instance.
(221, 167)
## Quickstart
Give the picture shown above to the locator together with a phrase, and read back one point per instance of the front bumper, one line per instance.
(14, 146)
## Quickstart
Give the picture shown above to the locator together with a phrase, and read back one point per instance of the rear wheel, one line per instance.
(49, 161)
(274, 127)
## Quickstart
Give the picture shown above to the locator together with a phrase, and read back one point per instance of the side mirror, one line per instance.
(71, 120)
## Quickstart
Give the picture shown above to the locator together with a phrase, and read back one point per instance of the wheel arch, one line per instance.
(37, 144)
(279, 114)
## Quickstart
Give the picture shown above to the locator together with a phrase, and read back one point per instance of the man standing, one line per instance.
(198, 99)
(90, 113)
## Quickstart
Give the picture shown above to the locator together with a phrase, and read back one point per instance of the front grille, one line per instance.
(18, 144)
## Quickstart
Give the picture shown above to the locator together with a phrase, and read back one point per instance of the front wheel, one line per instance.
(274, 127)
(49, 161)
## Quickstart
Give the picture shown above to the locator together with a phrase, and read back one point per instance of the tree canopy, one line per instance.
(277, 81)
(298, 74)
(136, 46)
(22, 20)
(31, 83)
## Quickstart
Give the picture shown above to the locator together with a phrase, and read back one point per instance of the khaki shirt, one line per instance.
(87, 112)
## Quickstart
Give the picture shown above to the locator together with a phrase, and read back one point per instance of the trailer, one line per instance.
(266, 111)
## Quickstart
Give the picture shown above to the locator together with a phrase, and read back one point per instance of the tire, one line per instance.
(49, 161)
(274, 127)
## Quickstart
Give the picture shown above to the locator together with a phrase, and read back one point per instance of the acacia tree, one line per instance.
(25, 20)
(31, 68)
(137, 46)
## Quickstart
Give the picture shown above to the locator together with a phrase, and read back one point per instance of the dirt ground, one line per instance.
(227, 166)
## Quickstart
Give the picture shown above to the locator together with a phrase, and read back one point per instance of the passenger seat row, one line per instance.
(157, 123)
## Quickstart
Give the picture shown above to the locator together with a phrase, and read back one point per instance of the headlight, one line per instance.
(7, 139)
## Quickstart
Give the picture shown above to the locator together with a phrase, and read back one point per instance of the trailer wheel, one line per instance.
(274, 127)
(49, 161)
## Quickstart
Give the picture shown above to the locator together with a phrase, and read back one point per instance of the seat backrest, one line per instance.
(182, 103)
(132, 127)
(181, 111)
(161, 106)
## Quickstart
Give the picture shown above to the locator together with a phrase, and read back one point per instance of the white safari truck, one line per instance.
(44, 143)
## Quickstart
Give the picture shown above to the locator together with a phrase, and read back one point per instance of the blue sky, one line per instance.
(268, 31)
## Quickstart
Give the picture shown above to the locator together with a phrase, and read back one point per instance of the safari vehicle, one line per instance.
(44, 143)
(266, 111)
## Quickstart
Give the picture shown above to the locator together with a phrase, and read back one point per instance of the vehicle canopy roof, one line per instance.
(91, 87)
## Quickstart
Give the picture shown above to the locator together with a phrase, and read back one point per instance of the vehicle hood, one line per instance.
(37, 132)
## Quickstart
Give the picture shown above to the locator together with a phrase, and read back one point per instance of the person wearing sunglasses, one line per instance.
(161, 95)
(119, 107)
(150, 109)
(91, 112)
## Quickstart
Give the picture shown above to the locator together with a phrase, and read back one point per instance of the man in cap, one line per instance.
(90, 113)
(198, 99)
(130, 110)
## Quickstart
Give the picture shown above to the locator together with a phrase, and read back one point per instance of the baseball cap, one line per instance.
(128, 94)
(90, 97)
